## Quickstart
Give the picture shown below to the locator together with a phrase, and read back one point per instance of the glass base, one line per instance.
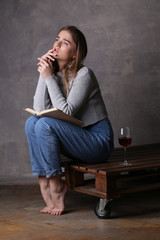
(126, 164)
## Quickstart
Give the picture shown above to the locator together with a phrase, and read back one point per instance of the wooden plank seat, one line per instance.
(110, 179)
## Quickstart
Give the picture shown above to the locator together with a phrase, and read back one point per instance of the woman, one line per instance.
(66, 84)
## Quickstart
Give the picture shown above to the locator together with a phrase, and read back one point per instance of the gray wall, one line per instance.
(124, 52)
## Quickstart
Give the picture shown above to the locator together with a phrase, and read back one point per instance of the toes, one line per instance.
(50, 210)
(56, 212)
(46, 210)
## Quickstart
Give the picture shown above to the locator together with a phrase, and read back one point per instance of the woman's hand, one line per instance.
(46, 64)
(48, 55)
(45, 67)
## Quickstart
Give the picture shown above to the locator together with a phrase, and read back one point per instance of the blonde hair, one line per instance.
(81, 51)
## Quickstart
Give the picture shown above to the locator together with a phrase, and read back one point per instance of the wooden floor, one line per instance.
(134, 216)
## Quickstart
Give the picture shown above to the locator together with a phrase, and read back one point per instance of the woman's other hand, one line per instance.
(45, 66)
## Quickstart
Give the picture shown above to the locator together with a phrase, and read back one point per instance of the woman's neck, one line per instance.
(61, 65)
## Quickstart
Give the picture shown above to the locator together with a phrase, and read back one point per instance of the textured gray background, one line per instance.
(124, 52)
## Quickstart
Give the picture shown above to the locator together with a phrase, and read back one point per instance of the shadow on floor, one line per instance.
(134, 216)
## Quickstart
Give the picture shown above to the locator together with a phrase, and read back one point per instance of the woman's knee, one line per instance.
(42, 127)
(48, 126)
(30, 124)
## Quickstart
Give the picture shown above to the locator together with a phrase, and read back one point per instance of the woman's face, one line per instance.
(64, 48)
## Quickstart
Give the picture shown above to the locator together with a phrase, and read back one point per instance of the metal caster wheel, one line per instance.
(102, 209)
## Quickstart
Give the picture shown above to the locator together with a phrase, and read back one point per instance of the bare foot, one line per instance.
(58, 198)
(45, 191)
(46, 209)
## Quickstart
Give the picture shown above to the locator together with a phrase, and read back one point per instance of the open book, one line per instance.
(55, 113)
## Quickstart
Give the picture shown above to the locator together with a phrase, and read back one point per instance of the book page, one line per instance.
(55, 113)
(48, 111)
(33, 112)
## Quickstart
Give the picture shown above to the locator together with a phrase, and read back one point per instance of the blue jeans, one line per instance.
(48, 138)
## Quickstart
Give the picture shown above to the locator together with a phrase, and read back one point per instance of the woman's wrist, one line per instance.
(49, 77)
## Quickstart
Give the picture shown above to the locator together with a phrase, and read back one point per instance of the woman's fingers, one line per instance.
(50, 51)
(40, 69)
(43, 62)
(48, 55)
(45, 67)
(42, 65)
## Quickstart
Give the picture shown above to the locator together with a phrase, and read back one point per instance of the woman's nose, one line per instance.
(59, 43)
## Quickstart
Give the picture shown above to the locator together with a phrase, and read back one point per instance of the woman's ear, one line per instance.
(74, 54)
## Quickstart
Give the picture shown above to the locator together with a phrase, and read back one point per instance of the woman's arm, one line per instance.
(41, 99)
(78, 94)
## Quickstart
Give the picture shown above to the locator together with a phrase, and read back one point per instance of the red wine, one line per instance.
(125, 142)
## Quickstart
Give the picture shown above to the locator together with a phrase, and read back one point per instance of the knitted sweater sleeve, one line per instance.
(78, 94)
(41, 100)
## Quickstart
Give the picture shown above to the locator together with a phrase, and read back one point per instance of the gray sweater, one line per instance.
(84, 100)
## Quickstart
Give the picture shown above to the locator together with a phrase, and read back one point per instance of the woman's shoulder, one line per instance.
(84, 71)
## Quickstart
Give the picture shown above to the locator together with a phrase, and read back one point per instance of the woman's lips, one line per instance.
(55, 52)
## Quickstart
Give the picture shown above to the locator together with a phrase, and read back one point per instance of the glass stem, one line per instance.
(125, 149)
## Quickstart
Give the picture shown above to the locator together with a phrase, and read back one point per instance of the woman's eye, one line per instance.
(65, 43)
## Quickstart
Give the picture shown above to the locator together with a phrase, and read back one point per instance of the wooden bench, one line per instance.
(110, 180)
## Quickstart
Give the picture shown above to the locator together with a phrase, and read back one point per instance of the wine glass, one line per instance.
(124, 136)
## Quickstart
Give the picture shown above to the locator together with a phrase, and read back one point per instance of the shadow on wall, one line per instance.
(123, 42)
